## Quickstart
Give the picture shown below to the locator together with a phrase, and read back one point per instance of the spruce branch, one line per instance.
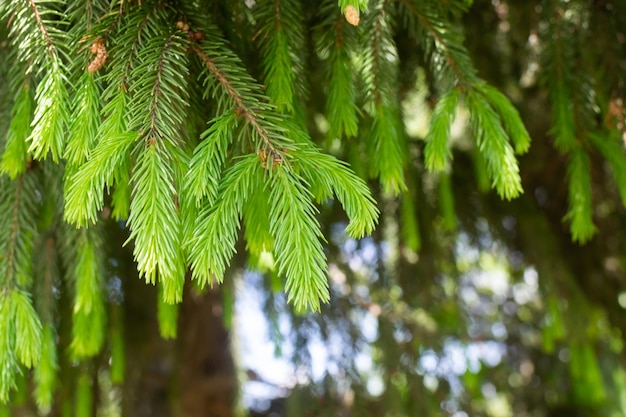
(209, 158)
(281, 38)
(15, 156)
(380, 73)
(45, 373)
(35, 28)
(215, 231)
(167, 315)
(493, 143)
(51, 114)
(18, 229)
(511, 120)
(155, 221)
(437, 150)
(559, 58)
(580, 212)
(296, 233)
(84, 189)
(256, 221)
(9, 365)
(338, 41)
(235, 82)
(27, 329)
(327, 173)
(449, 58)
(159, 91)
(612, 149)
(84, 126)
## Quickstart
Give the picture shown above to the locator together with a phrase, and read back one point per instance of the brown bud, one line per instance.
(100, 50)
(352, 15)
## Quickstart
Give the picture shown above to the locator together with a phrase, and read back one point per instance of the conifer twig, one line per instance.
(242, 107)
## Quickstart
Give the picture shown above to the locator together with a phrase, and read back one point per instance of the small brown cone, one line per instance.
(352, 15)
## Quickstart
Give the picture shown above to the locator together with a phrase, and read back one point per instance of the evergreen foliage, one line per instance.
(149, 116)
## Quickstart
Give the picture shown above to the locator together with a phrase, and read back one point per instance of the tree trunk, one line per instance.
(206, 370)
(192, 376)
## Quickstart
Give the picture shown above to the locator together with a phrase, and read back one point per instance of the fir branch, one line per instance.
(45, 372)
(449, 58)
(215, 232)
(9, 366)
(241, 93)
(256, 220)
(380, 78)
(51, 114)
(281, 46)
(328, 173)
(511, 120)
(580, 212)
(15, 156)
(410, 226)
(437, 149)
(84, 126)
(337, 41)
(17, 231)
(159, 92)
(446, 202)
(84, 189)
(612, 150)
(558, 59)
(299, 254)
(208, 159)
(155, 221)
(494, 145)
(27, 329)
(83, 259)
(35, 29)
(167, 316)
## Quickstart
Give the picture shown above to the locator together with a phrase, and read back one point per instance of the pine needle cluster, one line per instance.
(148, 114)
